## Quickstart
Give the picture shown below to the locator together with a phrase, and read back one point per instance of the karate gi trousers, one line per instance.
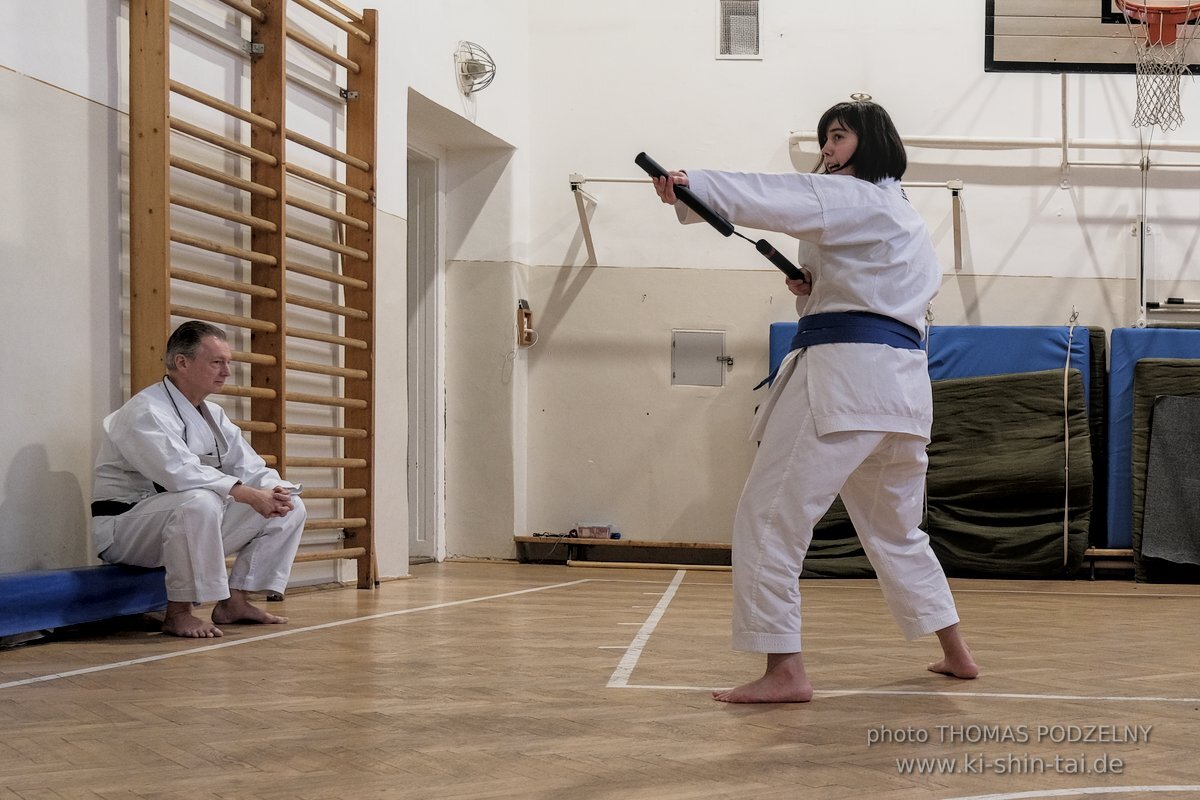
(795, 478)
(191, 532)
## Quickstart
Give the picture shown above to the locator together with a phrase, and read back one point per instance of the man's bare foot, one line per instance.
(785, 681)
(238, 609)
(957, 660)
(179, 621)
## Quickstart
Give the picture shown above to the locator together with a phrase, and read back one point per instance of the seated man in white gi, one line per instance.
(178, 486)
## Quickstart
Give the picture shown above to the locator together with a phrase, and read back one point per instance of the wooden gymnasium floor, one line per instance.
(526, 681)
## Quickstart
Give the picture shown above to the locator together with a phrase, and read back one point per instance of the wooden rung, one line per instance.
(331, 308)
(328, 183)
(246, 9)
(253, 358)
(221, 177)
(224, 142)
(342, 463)
(328, 369)
(328, 338)
(223, 249)
(334, 524)
(323, 430)
(224, 213)
(255, 426)
(345, 11)
(224, 319)
(322, 400)
(335, 20)
(328, 213)
(321, 50)
(255, 392)
(330, 555)
(269, 460)
(326, 150)
(188, 276)
(333, 493)
(325, 244)
(324, 274)
(220, 105)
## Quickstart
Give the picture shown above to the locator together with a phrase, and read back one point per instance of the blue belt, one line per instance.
(860, 327)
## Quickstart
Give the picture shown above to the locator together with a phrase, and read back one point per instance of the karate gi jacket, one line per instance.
(870, 251)
(158, 437)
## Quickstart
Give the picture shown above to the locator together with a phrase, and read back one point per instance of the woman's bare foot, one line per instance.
(179, 621)
(785, 681)
(238, 609)
(957, 660)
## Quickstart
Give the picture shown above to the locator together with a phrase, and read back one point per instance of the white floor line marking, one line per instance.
(977, 695)
(279, 634)
(1078, 792)
(620, 676)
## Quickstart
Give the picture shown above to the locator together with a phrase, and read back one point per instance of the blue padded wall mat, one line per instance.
(35, 601)
(1127, 346)
(973, 351)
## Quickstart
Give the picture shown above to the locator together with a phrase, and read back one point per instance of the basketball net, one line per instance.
(1160, 64)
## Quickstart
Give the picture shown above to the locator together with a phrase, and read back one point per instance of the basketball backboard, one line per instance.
(1060, 36)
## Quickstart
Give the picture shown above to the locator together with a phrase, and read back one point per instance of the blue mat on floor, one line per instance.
(1128, 346)
(43, 600)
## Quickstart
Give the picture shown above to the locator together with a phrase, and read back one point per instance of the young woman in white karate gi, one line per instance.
(851, 407)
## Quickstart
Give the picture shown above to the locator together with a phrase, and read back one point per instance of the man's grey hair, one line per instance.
(185, 341)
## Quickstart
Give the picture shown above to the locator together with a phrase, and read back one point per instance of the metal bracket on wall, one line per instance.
(586, 205)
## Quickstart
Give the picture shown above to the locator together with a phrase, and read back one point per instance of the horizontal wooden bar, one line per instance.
(326, 150)
(328, 338)
(269, 460)
(333, 524)
(322, 400)
(324, 274)
(255, 426)
(220, 105)
(325, 244)
(331, 308)
(243, 357)
(328, 369)
(345, 11)
(321, 50)
(221, 177)
(344, 463)
(223, 249)
(335, 20)
(330, 555)
(328, 213)
(224, 142)
(189, 276)
(333, 493)
(328, 183)
(224, 319)
(230, 390)
(246, 9)
(324, 430)
(647, 565)
(224, 213)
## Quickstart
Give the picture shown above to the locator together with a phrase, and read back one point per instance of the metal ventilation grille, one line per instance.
(739, 28)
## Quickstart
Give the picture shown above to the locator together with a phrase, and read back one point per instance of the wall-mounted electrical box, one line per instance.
(526, 336)
(698, 358)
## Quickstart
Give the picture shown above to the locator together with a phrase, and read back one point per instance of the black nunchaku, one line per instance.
(723, 226)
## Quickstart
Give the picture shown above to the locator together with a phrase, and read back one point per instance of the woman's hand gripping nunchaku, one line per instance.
(672, 186)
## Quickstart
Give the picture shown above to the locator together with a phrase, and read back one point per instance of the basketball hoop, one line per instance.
(1161, 61)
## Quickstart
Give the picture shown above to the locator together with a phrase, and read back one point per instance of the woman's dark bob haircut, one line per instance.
(880, 153)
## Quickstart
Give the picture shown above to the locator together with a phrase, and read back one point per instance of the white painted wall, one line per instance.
(582, 426)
